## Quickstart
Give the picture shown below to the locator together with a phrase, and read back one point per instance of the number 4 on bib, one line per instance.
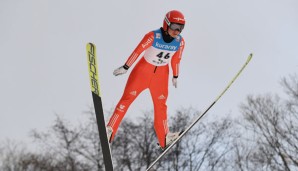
(160, 55)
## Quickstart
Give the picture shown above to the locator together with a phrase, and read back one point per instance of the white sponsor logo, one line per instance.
(161, 97)
(149, 40)
(120, 108)
(167, 47)
(134, 93)
(178, 19)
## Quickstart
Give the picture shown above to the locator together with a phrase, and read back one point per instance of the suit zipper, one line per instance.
(155, 69)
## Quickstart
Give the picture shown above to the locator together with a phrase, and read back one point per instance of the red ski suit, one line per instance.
(152, 71)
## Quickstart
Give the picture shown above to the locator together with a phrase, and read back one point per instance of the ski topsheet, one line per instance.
(95, 89)
(201, 115)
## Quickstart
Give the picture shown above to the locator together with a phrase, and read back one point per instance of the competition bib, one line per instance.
(160, 53)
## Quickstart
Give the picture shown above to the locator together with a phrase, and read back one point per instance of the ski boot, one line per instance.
(170, 138)
(109, 133)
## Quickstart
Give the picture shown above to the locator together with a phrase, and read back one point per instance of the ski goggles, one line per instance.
(175, 26)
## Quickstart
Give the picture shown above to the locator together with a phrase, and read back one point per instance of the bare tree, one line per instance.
(203, 148)
(290, 86)
(272, 125)
(11, 153)
(135, 144)
(66, 146)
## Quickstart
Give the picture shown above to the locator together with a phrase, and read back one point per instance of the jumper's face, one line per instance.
(173, 33)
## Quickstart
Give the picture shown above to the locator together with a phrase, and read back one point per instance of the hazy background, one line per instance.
(43, 68)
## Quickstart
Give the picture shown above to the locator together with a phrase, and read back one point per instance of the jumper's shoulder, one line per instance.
(149, 35)
(147, 41)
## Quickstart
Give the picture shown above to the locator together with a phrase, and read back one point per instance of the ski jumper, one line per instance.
(152, 71)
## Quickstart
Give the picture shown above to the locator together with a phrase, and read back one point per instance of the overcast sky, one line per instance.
(43, 68)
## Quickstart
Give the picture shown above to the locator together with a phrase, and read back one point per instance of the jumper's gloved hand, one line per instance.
(119, 71)
(174, 81)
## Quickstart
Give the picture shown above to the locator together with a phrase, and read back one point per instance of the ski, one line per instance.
(95, 89)
(201, 115)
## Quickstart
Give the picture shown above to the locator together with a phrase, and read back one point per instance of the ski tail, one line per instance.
(201, 115)
(95, 89)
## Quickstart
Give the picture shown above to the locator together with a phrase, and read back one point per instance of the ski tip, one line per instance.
(249, 57)
(90, 44)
